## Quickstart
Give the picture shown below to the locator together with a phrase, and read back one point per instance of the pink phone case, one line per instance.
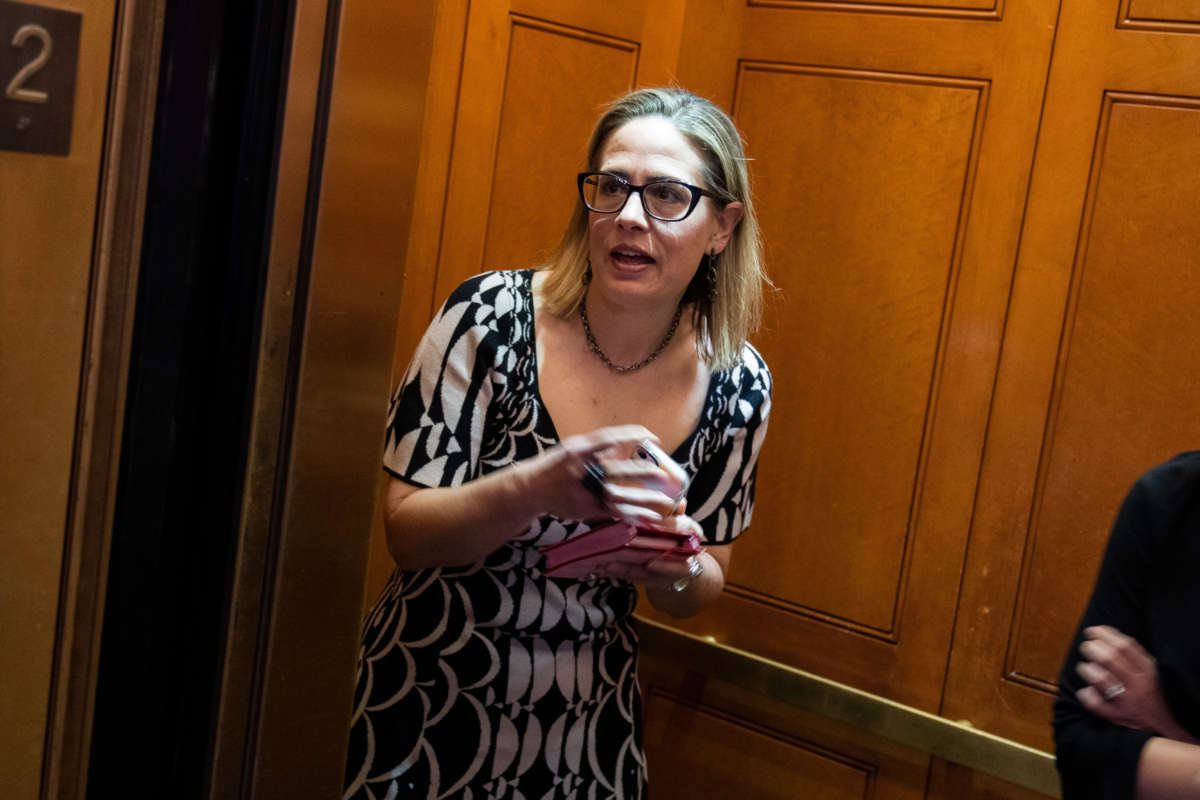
(580, 556)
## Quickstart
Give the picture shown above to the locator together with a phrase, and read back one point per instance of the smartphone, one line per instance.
(674, 480)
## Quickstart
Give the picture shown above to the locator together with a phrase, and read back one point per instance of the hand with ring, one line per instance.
(590, 476)
(694, 569)
(668, 572)
(602, 478)
(1122, 681)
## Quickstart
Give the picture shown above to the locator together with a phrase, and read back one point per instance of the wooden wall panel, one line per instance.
(530, 90)
(1163, 14)
(1099, 368)
(873, 170)
(948, 8)
(892, 153)
(1126, 370)
(692, 749)
(708, 738)
(950, 781)
(550, 68)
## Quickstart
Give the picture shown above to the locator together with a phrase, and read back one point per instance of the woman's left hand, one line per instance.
(665, 571)
(678, 586)
(1123, 685)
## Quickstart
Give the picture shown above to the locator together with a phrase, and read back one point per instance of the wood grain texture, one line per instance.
(557, 80)
(1178, 15)
(891, 187)
(1097, 362)
(950, 781)
(530, 91)
(708, 738)
(1127, 372)
(691, 749)
(862, 193)
(978, 9)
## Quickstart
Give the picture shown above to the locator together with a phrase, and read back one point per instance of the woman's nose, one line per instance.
(632, 213)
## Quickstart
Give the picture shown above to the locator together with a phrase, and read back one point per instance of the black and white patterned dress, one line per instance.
(492, 680)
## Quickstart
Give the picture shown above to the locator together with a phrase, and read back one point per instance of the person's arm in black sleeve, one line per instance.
(1120, 747)
(1097, 759)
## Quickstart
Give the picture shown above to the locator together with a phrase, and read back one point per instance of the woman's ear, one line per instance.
(727, 221)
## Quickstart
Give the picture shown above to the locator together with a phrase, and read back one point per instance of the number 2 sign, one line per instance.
(39, 50)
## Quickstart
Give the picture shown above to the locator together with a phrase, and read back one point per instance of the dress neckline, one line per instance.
(680, 453)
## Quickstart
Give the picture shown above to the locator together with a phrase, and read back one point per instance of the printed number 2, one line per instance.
(15, 90)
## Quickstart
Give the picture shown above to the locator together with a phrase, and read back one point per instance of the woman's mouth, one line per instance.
(630, 257)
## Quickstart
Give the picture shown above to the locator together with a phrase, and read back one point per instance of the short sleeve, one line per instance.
(721, 496)
(437, 414)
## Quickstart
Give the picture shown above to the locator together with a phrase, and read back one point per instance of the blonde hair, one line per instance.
(735, 309)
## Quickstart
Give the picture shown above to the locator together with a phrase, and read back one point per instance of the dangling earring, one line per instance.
(587, 275)
(712, 277)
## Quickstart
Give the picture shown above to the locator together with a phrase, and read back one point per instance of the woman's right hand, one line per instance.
(442, 526)
(560, 478)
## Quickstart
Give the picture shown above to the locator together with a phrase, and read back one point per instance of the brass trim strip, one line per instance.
(941, 737)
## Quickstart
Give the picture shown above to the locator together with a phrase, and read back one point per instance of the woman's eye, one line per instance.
(611, 186)
(669, 193)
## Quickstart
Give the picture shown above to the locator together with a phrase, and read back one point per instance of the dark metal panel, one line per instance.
(187, 408)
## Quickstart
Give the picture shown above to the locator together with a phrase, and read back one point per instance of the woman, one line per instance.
(1128, 709)
(479, 675)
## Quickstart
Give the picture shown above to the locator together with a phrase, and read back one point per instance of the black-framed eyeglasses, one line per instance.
(667, 200)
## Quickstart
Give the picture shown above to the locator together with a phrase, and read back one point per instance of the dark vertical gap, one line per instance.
(190, 393)
(333, 15)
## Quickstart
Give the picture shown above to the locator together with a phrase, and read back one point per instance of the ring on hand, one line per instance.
(593, 480)
(1114, 691)
(694, 570)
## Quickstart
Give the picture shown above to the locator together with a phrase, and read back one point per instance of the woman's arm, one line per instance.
(443, 526)
(723, 491)
(699, 591)
(1168, 770)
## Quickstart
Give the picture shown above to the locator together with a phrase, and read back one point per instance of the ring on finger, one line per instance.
(694, 570)
(593, 480)
(1114, 691)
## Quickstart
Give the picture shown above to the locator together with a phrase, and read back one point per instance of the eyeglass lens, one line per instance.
(666, 200)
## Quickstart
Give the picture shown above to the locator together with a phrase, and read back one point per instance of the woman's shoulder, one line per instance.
(745, 387)
(754, 364)
(503, 290)
(750, 375)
